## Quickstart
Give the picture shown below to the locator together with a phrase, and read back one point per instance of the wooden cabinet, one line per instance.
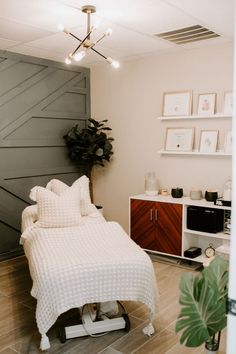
(159, 224)
(156, 226)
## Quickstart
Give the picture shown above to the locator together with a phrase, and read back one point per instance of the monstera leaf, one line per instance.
(203, 301)
(217, 273)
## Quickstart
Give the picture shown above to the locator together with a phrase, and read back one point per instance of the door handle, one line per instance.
(151, 217)
(156, 214)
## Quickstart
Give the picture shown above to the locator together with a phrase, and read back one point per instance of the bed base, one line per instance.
(93, 326)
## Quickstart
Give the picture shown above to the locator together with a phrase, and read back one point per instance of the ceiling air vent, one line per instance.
(188, 34)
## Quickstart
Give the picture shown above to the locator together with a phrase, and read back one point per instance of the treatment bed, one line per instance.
(92, 262)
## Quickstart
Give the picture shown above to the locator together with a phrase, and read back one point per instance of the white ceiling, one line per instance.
(30, 26)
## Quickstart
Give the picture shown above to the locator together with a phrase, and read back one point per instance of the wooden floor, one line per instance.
(18, 331)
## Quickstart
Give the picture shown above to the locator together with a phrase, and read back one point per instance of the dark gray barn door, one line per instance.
(40, 101)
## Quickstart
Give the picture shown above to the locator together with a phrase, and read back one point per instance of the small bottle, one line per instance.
(151, 184)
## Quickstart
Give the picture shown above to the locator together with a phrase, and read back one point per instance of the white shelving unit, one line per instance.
(195, 116)
(195, 152)
(219, 235)
(193, 238)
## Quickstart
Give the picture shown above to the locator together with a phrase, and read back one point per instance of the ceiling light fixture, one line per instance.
(87, 44)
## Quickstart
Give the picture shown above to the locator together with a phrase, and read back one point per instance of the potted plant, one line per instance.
(203, 306)
(89, 146)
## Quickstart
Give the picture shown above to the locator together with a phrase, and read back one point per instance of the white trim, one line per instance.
(231, 339)
(196, 116)
(195, 152)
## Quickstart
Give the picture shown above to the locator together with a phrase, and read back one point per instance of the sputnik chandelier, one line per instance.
(86, 43)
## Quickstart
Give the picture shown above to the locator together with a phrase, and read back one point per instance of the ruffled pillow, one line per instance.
(57, 210)
(29, 217)
(82, 186)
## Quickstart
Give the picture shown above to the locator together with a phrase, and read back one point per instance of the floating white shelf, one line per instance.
(195, 116)
(219, 235)
(201, 259)
(195, 152)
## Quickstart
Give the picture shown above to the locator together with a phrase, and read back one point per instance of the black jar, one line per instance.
(211, 196)
(177, 192)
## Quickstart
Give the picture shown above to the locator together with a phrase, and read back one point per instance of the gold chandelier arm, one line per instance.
(107, 33)
(103, 36)
(76, 49)
(99, 53)
(72, 35)
(81, 41)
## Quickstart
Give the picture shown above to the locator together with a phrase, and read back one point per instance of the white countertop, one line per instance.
(183, 201)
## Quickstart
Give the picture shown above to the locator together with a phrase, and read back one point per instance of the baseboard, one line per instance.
(11, 254)
(178, 262)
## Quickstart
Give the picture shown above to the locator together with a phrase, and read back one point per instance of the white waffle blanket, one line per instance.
(95, 262)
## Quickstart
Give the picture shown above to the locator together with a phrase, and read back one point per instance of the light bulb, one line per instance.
(108, 32)
(60, 27)
(68, 60)
(115, 64)
(78, 56)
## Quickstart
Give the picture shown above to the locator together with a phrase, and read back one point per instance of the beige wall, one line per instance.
(131, 99)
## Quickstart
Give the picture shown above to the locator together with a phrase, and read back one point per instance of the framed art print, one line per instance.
(177, 103)
(179, 139)
(206, 104)
(208, 141)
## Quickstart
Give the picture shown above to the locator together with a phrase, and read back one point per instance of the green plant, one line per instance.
(89, 145)
(203, 300)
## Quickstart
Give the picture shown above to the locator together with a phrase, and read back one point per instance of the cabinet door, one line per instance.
(142, 224)
(168, 217)
(157, 226)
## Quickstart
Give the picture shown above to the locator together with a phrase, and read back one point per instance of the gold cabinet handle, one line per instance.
(156, 214)
(150, 214)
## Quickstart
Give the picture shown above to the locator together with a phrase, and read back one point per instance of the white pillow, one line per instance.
(57, 210)
(82, 185)
(29, 217)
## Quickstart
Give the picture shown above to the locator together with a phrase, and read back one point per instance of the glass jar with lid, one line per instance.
(151, 184)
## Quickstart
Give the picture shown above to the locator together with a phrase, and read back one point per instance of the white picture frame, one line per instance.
(208, 141)
(179, 139)
(206, 104)
(228, 142)
(177, 104)
(228, 103)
